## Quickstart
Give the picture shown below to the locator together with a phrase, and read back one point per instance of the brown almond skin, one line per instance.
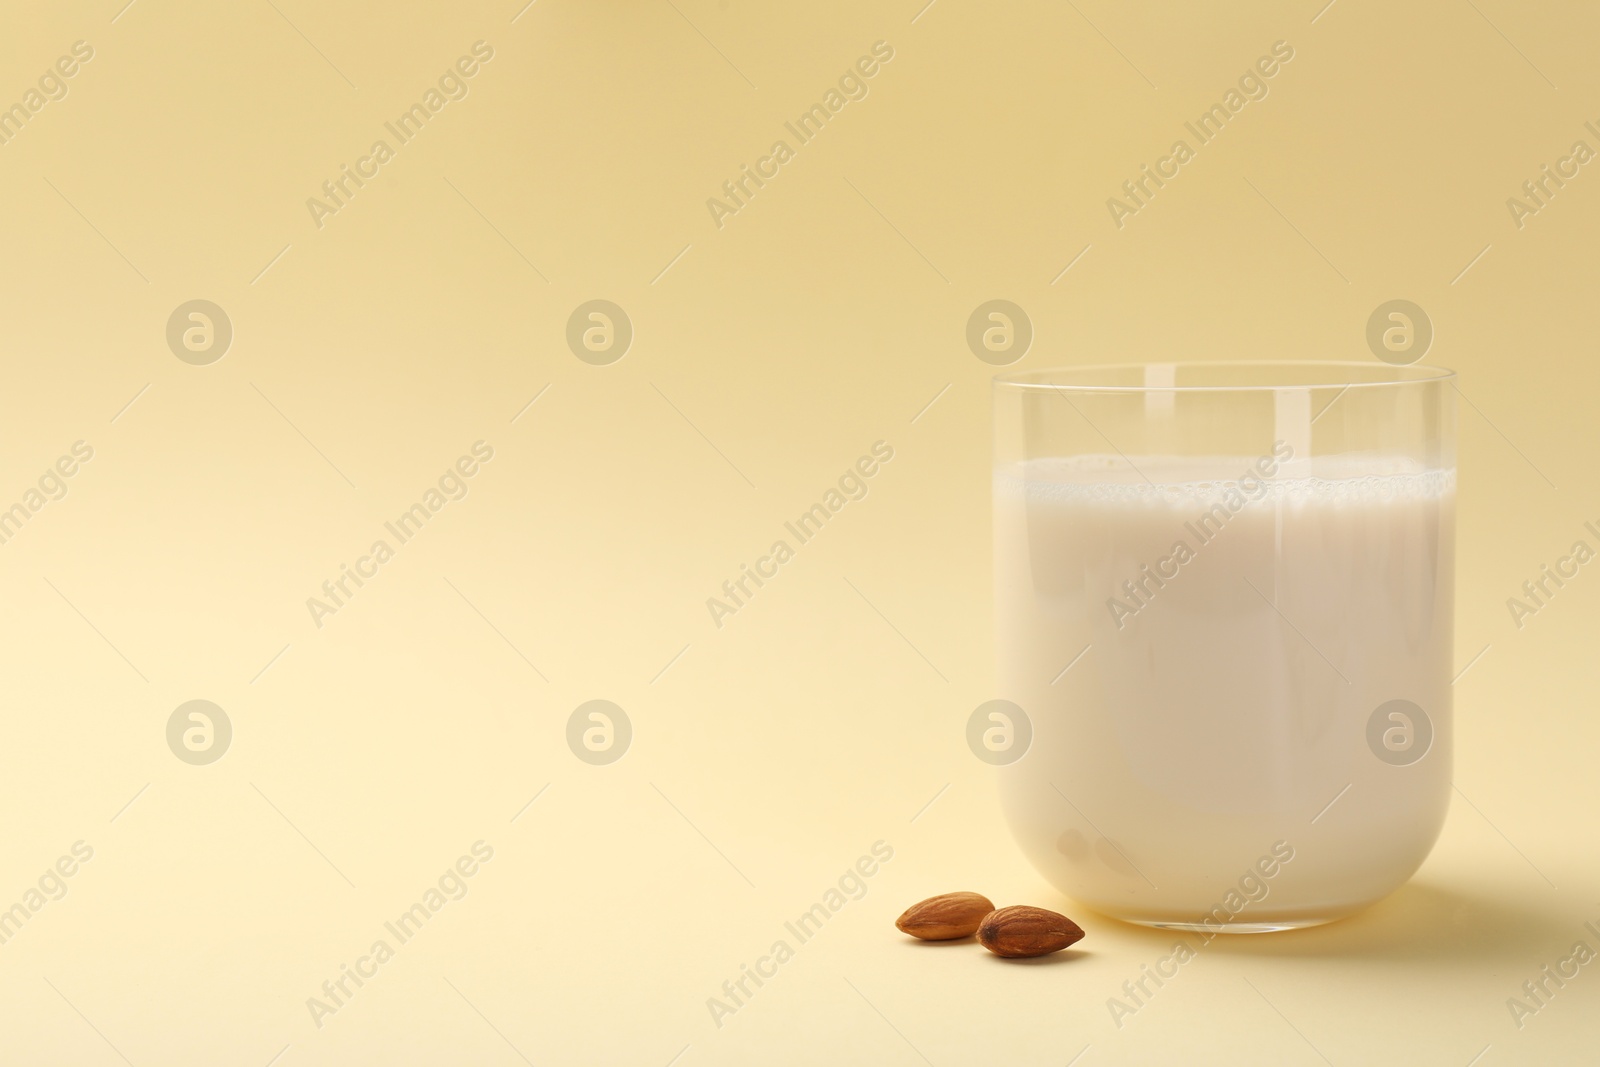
(945, 917)
(1019, 932)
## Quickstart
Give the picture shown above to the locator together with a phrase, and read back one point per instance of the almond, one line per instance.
(944, 917)
(1020, 931)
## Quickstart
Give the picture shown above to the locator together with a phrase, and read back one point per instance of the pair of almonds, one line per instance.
(1015, 932)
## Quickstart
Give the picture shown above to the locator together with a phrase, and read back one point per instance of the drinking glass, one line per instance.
(1223, 624)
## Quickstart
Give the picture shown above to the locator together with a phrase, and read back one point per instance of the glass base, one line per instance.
(1234, 928)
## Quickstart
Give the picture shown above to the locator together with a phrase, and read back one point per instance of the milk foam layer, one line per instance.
(1158, 480)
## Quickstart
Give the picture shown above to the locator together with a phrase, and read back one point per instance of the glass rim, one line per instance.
(1356, 374)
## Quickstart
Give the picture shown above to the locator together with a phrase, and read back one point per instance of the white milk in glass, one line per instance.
(1241, 632)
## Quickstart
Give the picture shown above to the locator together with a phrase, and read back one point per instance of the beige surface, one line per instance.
(824, 316)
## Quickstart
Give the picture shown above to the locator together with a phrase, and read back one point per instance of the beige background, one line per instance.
(769, 754)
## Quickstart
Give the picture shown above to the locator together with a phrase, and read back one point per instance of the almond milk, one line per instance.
(1238, 636)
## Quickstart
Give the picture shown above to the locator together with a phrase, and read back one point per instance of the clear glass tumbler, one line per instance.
(1223, 621)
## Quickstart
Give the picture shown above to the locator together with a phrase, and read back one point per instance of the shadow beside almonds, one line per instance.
(970, 942)
(1060, 956)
